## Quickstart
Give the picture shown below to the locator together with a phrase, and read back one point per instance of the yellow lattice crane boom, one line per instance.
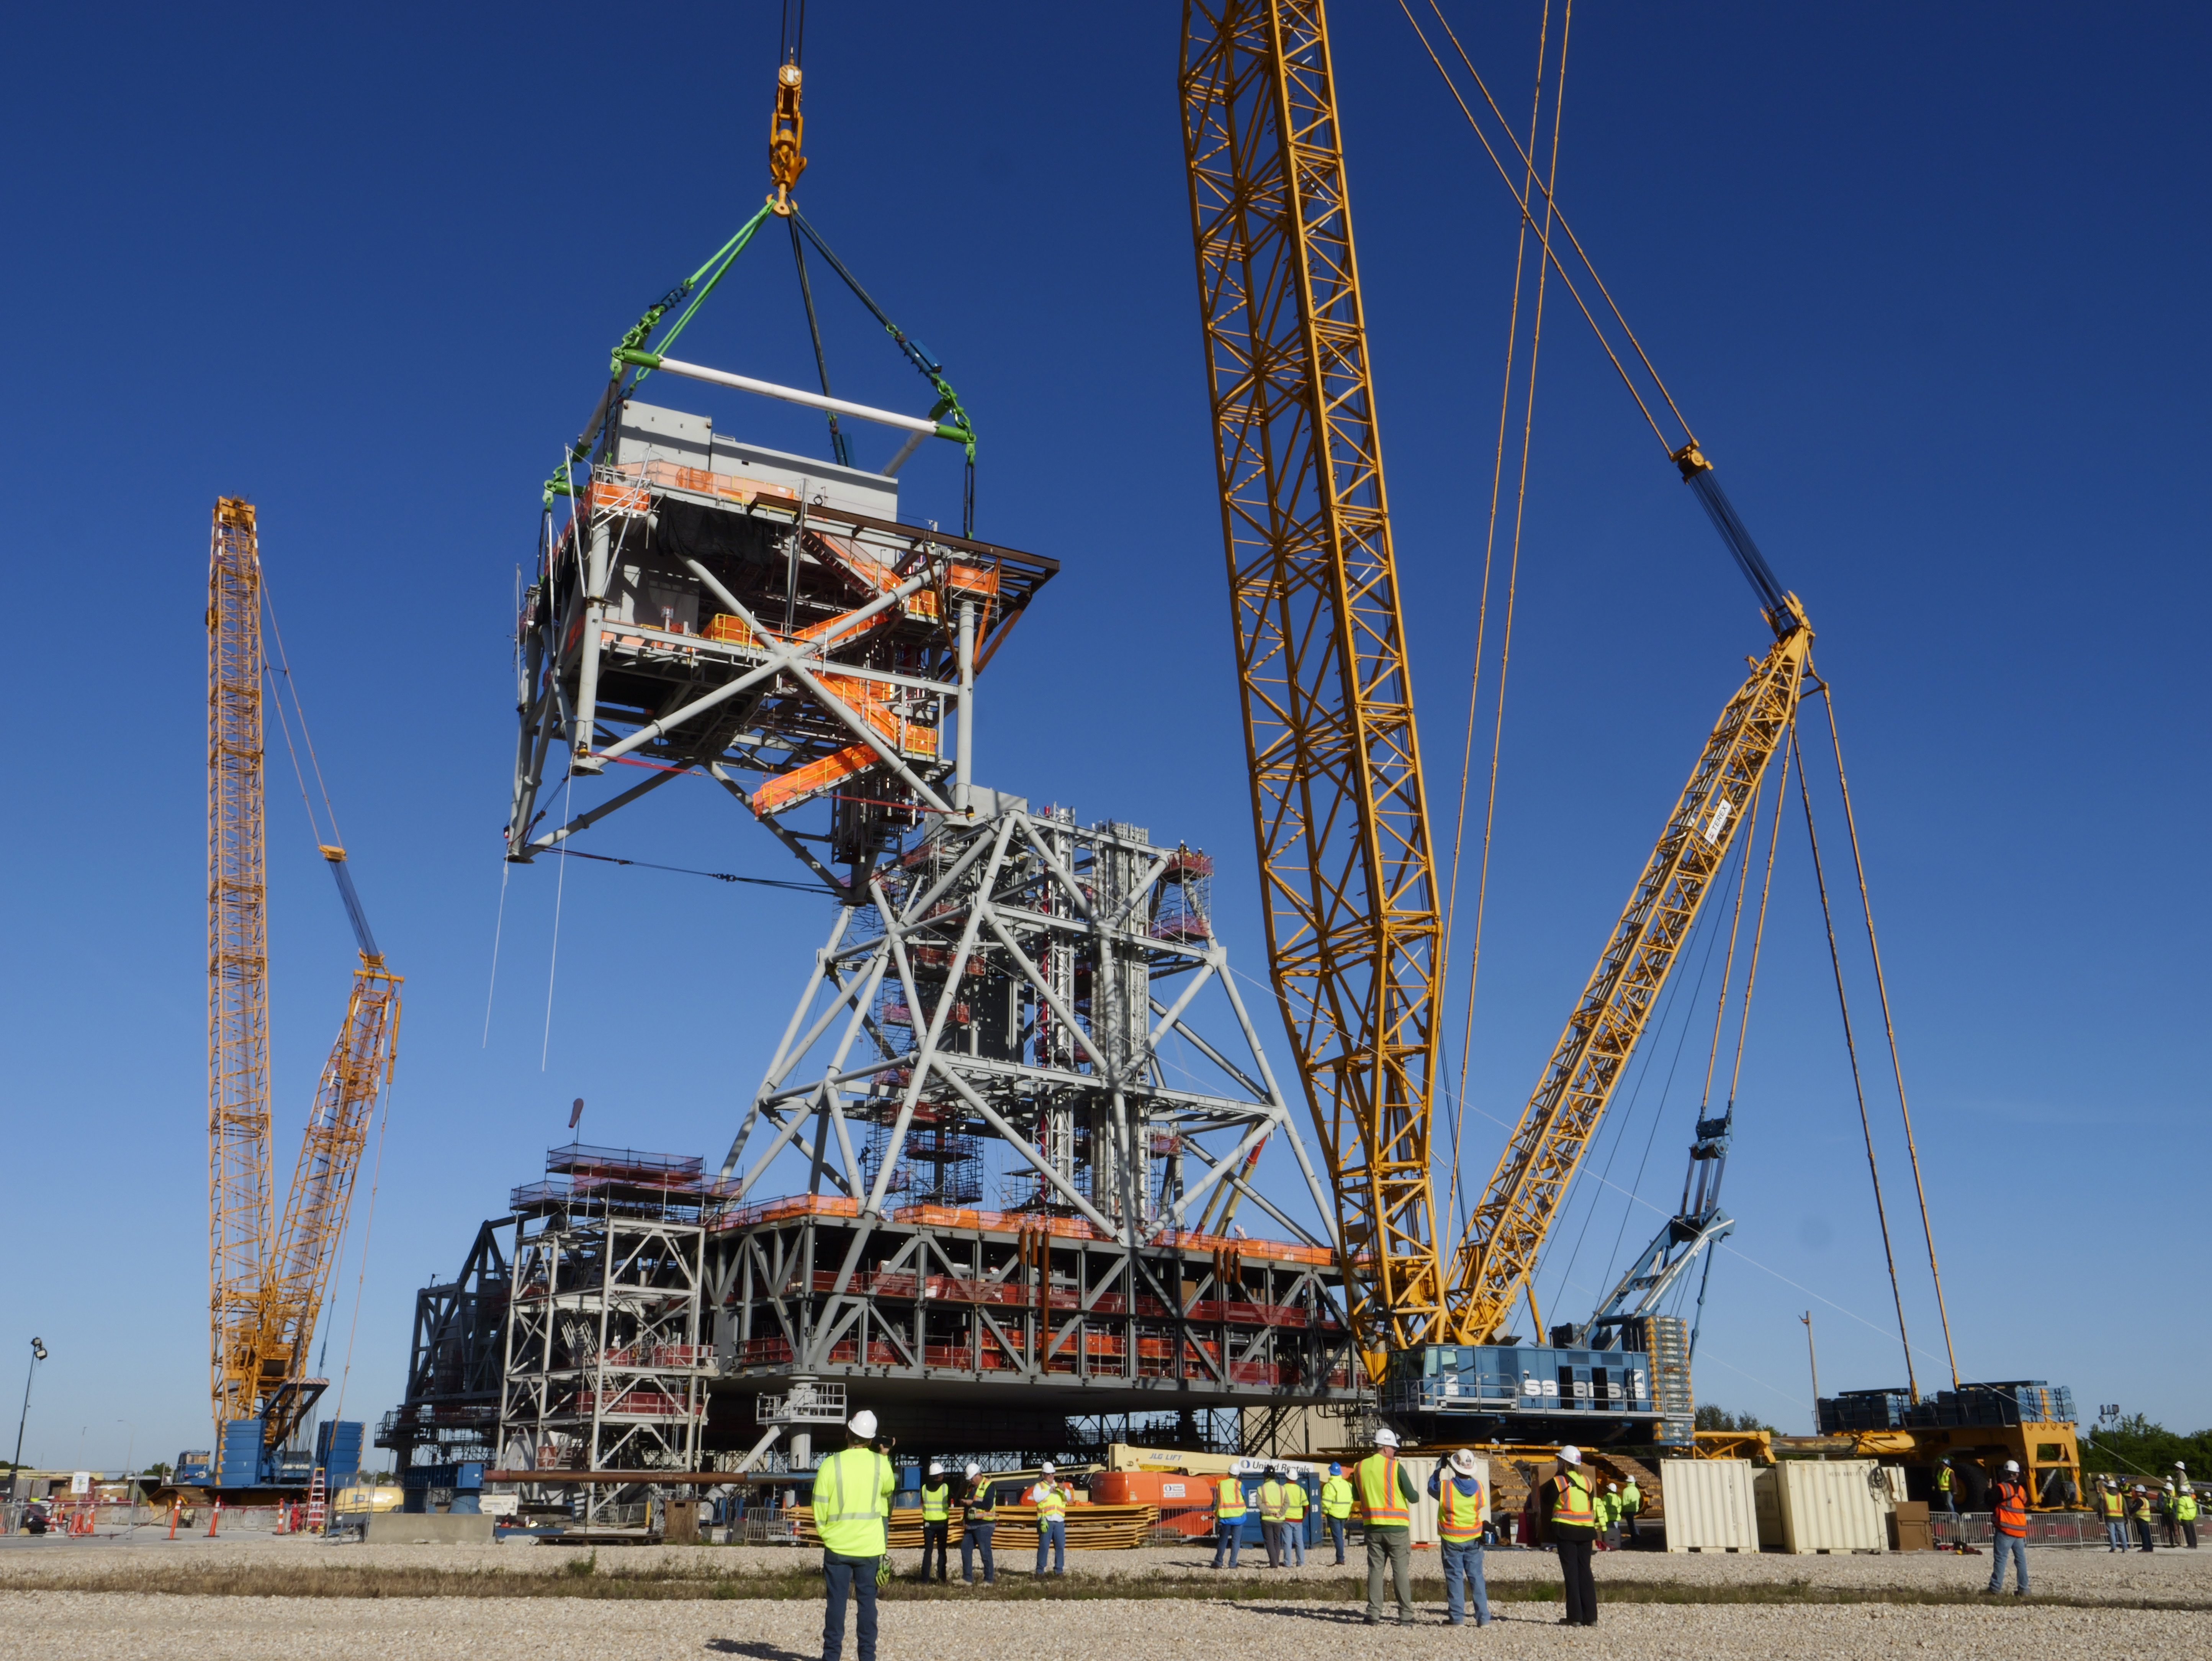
(267, 1284)
(238, 963)
(1342, 827)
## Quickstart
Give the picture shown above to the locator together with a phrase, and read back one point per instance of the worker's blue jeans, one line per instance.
(2002, 1546)
(1294, 1540)
(2116, 1534)
(1228, 1536)
(976, 1538)
(1052, 1531)
(856, 1576)
(1336, 1533)
(1462, 1579)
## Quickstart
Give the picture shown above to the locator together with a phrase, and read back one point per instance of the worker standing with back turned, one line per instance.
(1631, 1507)
(1387, 1498)
(1570, 1517)
(1336, 1506)
(1274, 1500)
(1228, 1518)
(852, 1506)
(1294, 1517)
(2008, 1529)
(2185, 1510)
(936, 1517)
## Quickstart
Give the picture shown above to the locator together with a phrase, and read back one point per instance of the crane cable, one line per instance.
(1521, 199)
(1453, 1200)
(1858, 1086)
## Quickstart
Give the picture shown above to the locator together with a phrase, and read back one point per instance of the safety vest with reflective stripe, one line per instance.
(1229, 1500)
(1572, 1505)
(1379, 1496)
(852, 1498)
(1459, 1516)
(1943, 1480)
(1271, 1501)
(2110, 1503)
(937, 1503)
(2185, 1505)
(1051, 1500)
(1336, 1497)
(1294, 1502)
(2140, 1508)
(2010, 1514)
(1632, 1501)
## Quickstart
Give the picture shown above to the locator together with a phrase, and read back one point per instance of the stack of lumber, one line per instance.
(1089, 1528)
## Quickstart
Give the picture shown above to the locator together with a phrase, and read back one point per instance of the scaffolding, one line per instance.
(605, 1367)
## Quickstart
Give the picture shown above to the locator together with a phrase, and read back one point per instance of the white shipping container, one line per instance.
(1710, 1505)
(1824, 1505)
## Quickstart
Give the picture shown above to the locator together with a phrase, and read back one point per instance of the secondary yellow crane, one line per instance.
(266, 1283)
(1349, 881)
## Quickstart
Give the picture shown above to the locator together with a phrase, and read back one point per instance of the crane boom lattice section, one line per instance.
(1530, 1183)
(1338, 814)
(238, 962)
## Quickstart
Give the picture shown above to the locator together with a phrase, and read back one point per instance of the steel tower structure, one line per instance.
(1354, 921)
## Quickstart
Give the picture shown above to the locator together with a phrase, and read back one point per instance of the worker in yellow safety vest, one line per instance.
(2113, 1508)
(1272, 1503)
(1228, 1518)
(936, 1517)
(1050, 1497)
(1295, 1505)
(2184, 1511)
(979, 1516)
(2140, 1512)
(1336, 1506)
(1569, 1517)
(1632, 1506)
(1387, 1498)
(852, 1506)
(1946, 1494)
(1456, 1487)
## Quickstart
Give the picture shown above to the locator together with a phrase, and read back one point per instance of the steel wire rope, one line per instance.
(368, 1230)
(1604, 341)
(838, 446)
(1858, 1086)
(1888, 1026)
(1455, 1199)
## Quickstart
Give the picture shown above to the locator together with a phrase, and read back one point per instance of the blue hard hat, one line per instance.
(1335, 1470)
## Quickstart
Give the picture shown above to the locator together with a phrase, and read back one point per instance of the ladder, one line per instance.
(316, 1497)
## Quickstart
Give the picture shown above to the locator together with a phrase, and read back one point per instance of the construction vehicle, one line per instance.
(267, 1276)
(1350, 890)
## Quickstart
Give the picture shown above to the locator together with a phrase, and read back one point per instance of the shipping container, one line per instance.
(1833, 1506)
(1710, 1505)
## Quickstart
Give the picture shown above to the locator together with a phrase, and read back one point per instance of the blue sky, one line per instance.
(1928, 284)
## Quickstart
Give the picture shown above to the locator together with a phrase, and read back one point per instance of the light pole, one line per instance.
(1813, 1356)
(37, 1354)
(131, 1478)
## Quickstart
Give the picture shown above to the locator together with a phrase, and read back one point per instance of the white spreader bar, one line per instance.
(919, 425)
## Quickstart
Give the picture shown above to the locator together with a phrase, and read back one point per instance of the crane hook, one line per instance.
(786, 128)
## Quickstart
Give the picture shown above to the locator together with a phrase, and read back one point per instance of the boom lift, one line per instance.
(266, 1286)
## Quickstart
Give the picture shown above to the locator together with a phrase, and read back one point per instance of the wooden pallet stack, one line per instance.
(1089, 1528)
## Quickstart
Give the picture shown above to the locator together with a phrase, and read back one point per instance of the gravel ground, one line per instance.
(126, 1627)
(2129, 1579)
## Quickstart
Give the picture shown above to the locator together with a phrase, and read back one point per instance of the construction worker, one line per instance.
(2008, 1529)
(1570, 1515)
(1050, 1497)
(852, 1506)
(1387, 1498)
(1228, 1518)
(1272, 1503)
(2112, 1507)
(2184, 1511)
(1336, 1506)
(2140, 1512)
(1947, 1494)
(1458, 1494)
(1608, 1516)
(1294, 1517)
(936, 1517)
(979, 1515)
(1631, 1507)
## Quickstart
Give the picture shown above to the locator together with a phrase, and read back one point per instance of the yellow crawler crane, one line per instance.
(1348, 879)
(266, 1285)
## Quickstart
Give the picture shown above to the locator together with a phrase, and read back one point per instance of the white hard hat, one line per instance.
(1462, 1461)
(935, 1469)
(1386, 1438)
(1571, 1456)
(1047, 1467)
(862, 1424)
(2012, 1465)
(1612, 1488)
(974, 1471)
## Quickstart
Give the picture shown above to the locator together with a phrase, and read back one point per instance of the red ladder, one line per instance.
(315, 1498)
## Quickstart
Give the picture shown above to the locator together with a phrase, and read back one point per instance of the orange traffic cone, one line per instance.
(173, 1519)
(215, 1517)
